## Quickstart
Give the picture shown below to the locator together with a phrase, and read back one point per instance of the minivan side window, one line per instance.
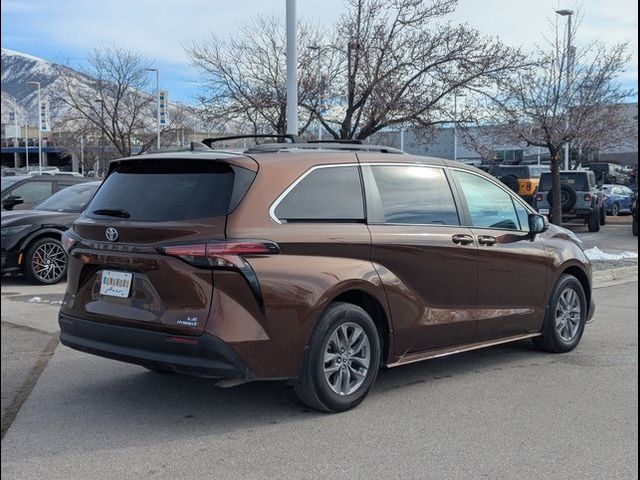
(489, 205)
(325, 194)
(414, 195)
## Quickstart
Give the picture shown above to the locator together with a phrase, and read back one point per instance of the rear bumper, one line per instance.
(201, 356)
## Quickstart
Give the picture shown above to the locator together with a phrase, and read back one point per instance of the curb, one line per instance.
(615, 276)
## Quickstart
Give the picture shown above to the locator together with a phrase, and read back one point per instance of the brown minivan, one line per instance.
(319, 263)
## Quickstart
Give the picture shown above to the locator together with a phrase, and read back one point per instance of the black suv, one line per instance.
(579, 196)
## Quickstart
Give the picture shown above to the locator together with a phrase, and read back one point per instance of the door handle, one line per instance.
(462, 239)
(487, 240)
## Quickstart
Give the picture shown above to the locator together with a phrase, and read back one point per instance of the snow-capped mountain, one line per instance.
(19, 68)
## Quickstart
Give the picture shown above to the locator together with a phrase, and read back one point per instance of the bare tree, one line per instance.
(397, 63)
(539, 107)
(245, 74)
(83, 145)
(116, 101)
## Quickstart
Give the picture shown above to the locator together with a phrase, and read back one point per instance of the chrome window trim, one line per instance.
(276, 202)
(497, 183)
(281, 197)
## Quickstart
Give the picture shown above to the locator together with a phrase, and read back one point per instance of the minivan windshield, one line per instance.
(170, 191)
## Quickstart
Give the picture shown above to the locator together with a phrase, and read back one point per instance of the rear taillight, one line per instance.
(220, 254)
(587, 197)
(228, 255)
(69, 240)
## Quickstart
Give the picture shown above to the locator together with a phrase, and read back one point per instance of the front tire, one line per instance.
(341, 361)
(594, 221)
(566, 316)
(45, 262)
(603, 215)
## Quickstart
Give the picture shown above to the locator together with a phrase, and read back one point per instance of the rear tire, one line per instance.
(594, 221)
(332, 379)
(568, 197)
(566, 316)
(615, 209)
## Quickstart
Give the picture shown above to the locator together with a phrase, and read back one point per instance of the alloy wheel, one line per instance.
(568, 315)
(347, 356)
(49, 262)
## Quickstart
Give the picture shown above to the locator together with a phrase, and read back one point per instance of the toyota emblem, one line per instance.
(111, 234)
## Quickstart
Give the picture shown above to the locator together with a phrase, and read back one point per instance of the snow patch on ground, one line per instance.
(596, 254)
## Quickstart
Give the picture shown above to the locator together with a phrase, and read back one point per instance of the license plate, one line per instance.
(543, 211)
(115, 284)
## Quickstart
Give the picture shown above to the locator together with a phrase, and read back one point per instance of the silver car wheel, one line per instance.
(568, 315)
(48, 262)
(347, 356)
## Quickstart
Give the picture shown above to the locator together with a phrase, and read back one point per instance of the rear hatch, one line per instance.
(135, 253)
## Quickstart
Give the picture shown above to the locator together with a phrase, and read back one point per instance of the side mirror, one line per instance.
(11, 201)
(538, 223)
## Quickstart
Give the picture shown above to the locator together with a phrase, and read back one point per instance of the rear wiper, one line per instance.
(112, 212)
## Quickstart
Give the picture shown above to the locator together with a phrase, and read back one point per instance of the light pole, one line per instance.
(292, 70)
(37, 84)
(103, 162)
(16, 132)
(81, 167)
(455, 124)
(26, 143)
(157, 104)
(567, 13)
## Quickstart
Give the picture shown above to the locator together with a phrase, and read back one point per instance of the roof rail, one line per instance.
(337, 140)
(353, 147)
(209, 141)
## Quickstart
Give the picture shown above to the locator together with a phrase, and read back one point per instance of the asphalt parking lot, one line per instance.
(614, 237)
(505, 412)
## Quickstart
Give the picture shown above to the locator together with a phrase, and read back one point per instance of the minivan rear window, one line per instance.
(166, 192)
(328, 194)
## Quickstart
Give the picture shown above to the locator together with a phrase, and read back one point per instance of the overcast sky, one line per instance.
(61, 30)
